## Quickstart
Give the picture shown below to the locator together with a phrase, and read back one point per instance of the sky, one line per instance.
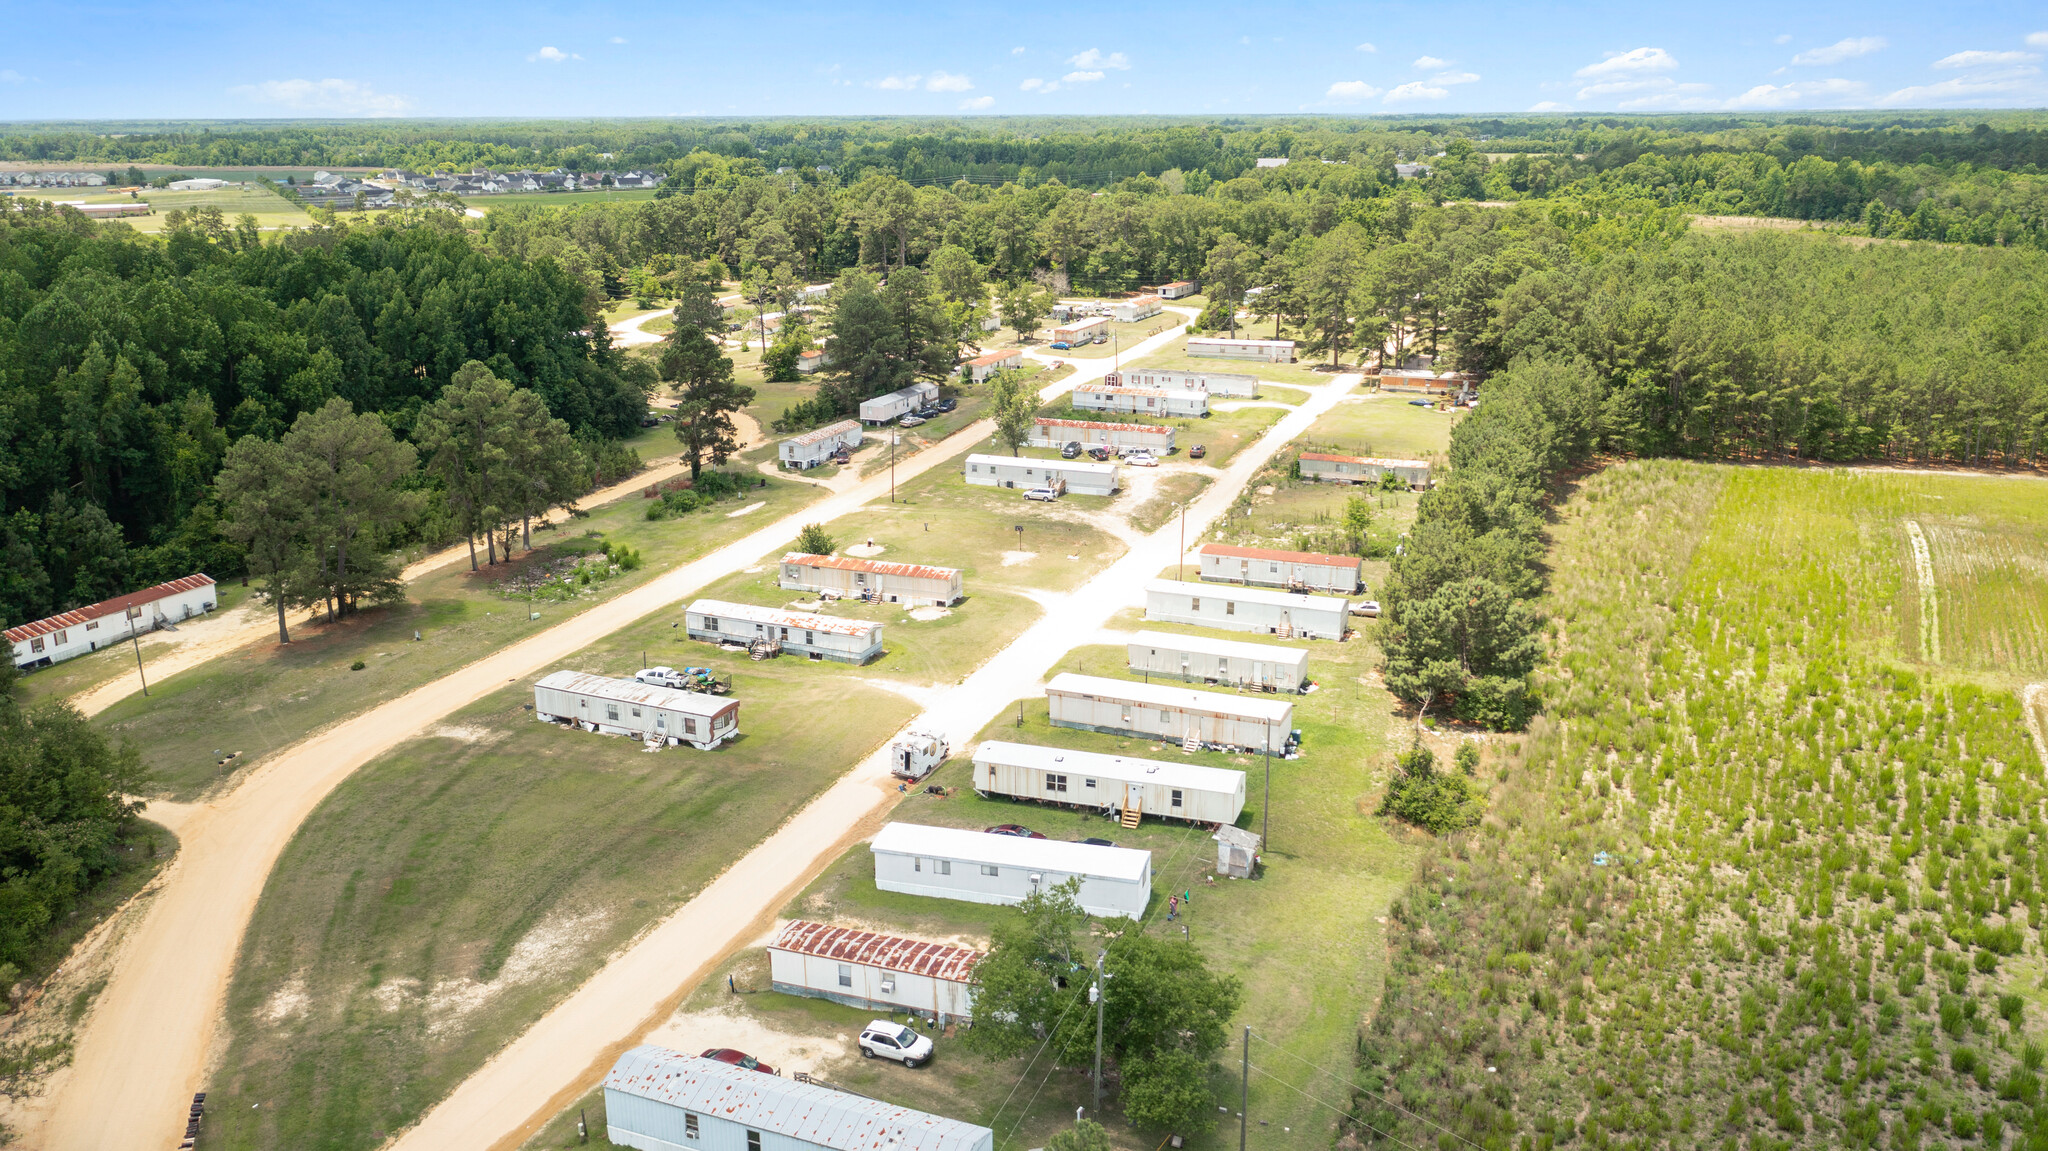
(231, 59)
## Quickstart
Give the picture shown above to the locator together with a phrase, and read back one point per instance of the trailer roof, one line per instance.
(1243, 594)
(1120, 390)
(107, 607)
(829, 431)
(1165, 695)
(1228, 648)
(987, 358)
(1012, 851)
(1123, 768)
(805, 1111)
(1385, 463)
(1084, 467)
(878, 567)
(781, 618)
(873, 949)
(1051, 422)
(633, 691)
(1241, 343)
(1320, 559)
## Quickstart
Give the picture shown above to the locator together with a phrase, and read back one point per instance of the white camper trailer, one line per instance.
(917, 754)
(872, 971)
(1113, 784)
(978, 867)
(1327, 468)
(1296, 571)
(849, 577)
(1270, 351)
(642, 710)
(901, 402)
(1214, 383)
(1178, 403)
(816, 447)
(1047, 432)
(1081, 477)
(771, 631)
(1170, 714)
(1285, 614)
(1228, 662)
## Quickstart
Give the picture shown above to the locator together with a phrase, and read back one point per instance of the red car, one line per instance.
(1014, 829)
(739, 1059)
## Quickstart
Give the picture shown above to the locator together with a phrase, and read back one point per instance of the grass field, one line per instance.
(1299, 375)
(1383, 425)
(558, 199)
(270, 210)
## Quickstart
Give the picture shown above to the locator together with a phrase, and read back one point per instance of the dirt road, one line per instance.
(571, 1047)
(142, 1049)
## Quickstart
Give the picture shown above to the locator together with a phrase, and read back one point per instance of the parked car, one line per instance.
(1142, 459)
(1197, 452)
(947, 404)
(1098, 453)
(1366, 607)
(1420, 404)
(1071, 450)
(894, 1041)
(739, 1059)
(1043, 495)
(927, 412)
(1016, 829)
(909, 421)
(1061, 346)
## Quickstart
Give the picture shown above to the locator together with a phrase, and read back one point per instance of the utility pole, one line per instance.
(1096, 994)
(893, 437)
(1181, 572)
(1244, 1098)
(138, 657)
(1266, 807)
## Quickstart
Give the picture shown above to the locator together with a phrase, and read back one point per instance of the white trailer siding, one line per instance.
(1172, 714)
(1179, 289)
(1083, 477)
(87, 629)
(1220, 661)
(1092, 330)
(1136, 308)
(983, 366)
(851, 578)
(977, 867)
(872, 971)
(1286, 614)
(1271, 351)
(1327, 468)
(1107, 397)
(1047, 432)
(1265, 567)
(900, 402)
(1214, 383)
(816, 636)
(1109, 783)
(815, 447)
(641, 710)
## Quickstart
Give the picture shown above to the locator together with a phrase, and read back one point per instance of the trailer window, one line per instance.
(1165, 716)
(689, 1125)
(689, 726)
(63, 636)
(710, 623)
(1087, 783)
(846, 975)
(1055, 782)
(1194, 603)
(636, 713)
(1230, 607)
(753, 1141)
(1176, 797)
(611, 711)
(916, 863)
(990, 869)
(942, 866)
(36, 644)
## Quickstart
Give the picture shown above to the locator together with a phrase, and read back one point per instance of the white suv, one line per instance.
(894, 1041)
(1142, 459)
(1044, 495)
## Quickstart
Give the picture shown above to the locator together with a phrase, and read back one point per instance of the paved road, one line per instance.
(143, 1048)
(569, 1049)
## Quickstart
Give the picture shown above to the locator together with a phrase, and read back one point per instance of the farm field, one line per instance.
(557, 199)
(270, 210)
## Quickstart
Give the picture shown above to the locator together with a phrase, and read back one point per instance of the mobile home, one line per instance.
(978, 867)
(1214, 383)
(1117, 785)
(851, 578)
(1047, 432)
(641, 710)
(1423, 381)
(1289, 615)
(1082, 477)
(1266, 567)
(813, 448)
(1170, 714)
(989, 363)
(656, 1099)
(87, 629)
(1136, 308)
(1234, 663)
(898, 403)
(1327, 468)
(773, 630)
(810, 361)
(1271, 351)
(1179, 289)
(1107, 397)
(872, 971)
(1091, 330)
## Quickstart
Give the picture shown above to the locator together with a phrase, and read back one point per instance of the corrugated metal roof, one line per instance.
(781, 618)
(1227, 648)
(803, 1111)
(633, 691)
(1385, 463)
(1317, 558)
(1104, 390)
(996, 357)
(1142, 300)
(1049, 422)
(1077, 325)
(1180, 284)
(873, 949)
(1122, 768)
(1273, 596)
(1243, 343)
(1012, 851)
(1165, 695)
(1082, 467)
(877, 567)
(107, 607)
(829, 431)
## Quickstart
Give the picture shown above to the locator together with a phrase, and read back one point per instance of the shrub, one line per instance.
(1467, 758)
(357, 666)
(1435, 802)
(804, 415)
(814, 541)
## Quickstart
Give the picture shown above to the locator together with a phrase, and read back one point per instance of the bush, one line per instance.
(813, 540)
(1435, 802)
(804, 415)
(357, 666)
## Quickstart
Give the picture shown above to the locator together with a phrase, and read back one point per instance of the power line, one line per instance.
(1043, 1044)
(1321, 1070)
(1343, 1113)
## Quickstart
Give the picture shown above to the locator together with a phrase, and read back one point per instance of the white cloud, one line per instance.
(1633, 62)
(976, 104)
(1093, 58)
(1676, 98)
(1984, 59)
(2019, 85)
(1037, 85)
(1784, 38)
(1783, 95)
(1081, 77)
(10, 76)
(618, 39)
(552, 55)
(1841, 50)
(1642, 84)
(1350, 92)
(1016, 51)
(1549, 106)
(897, 83)
(948, 82)
(2038, 39)
(1415, 90)
(1367, 48)
(345, 97)
(1430, 62)
(1454, 78)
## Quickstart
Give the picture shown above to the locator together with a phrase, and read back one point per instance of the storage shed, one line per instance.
(978, 867)
(1328, 468)
(1271, 351)
(1136, 308)
(988, 364)
(1214, 383)
(1112, 784)
(1091, 330)
(1047, 432)
(851, 578)
(1289, 615)
(1234, 663)
(1237, 852)
(876, 972)
(641, 710)
(1169, 713)
(1082, 477)
(1267, 567)
(898, 403)
(656, 1099)
(815, 447)
(87, 629)
(1107, 397)
(773, 630)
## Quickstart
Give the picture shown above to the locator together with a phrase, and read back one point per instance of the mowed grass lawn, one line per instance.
(1296, 375)
(270, 209)
(557, 199)
(1383, 425)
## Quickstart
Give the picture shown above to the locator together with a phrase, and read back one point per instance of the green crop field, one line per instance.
(271, 210)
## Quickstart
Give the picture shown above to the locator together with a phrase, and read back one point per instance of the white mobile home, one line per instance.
(815, 447)
(1253, 666)
(1047, 432)
(851, 578)
(1271, 351)
(900, 402)
(1179, 289)
(1082, 477)
(112, 621)
(774, 630)
(1334, 469)
(872, 971)
(1113, 784)
(1136, 308)
(1423, 381)
(978, 867)
(641, 710)
(988, 364)
(1170, 714)
(1214, 383)
(1107, 397)
(656, 1099)
(1092, 330)
(1289, 615)
(1266, 567)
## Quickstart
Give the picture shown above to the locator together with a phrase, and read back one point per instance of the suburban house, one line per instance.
(872, 971)
(1270, 351)
(1108, 397)
(1214, 383)
(1267, 567)
(1229, 662)
(1047, 432)
(1092, 330)
(850, 578)
(1170, 713)
(645, 711)
(898, 403)
(815, 447)
(1325, 467)
(112, 621)
(988, 364)
(977, 867)
(768, 630)
(1288, 615)
(1179, 289)
(1136, 308)
(1082, 477)
(1117, 785)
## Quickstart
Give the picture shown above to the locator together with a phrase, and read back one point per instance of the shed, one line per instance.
(1214, 383)
(1259, 666)
(1327, 468)
(641, 710)
(851, 578)
(1082, 477)
(821, 444)
(1092, 330)
(1237, 852)
(1113, 784)
(1289, 615)
(656, 1099)
(111, 621)
(1108, 397)
(1047, 432)
(1169, 713)
(988, 364)
(774, 630)
(900, 402)
(876, 972)
(980, 867)
(1136, 308)
(1267, 567)
(1271, 351)
(1179, 289)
